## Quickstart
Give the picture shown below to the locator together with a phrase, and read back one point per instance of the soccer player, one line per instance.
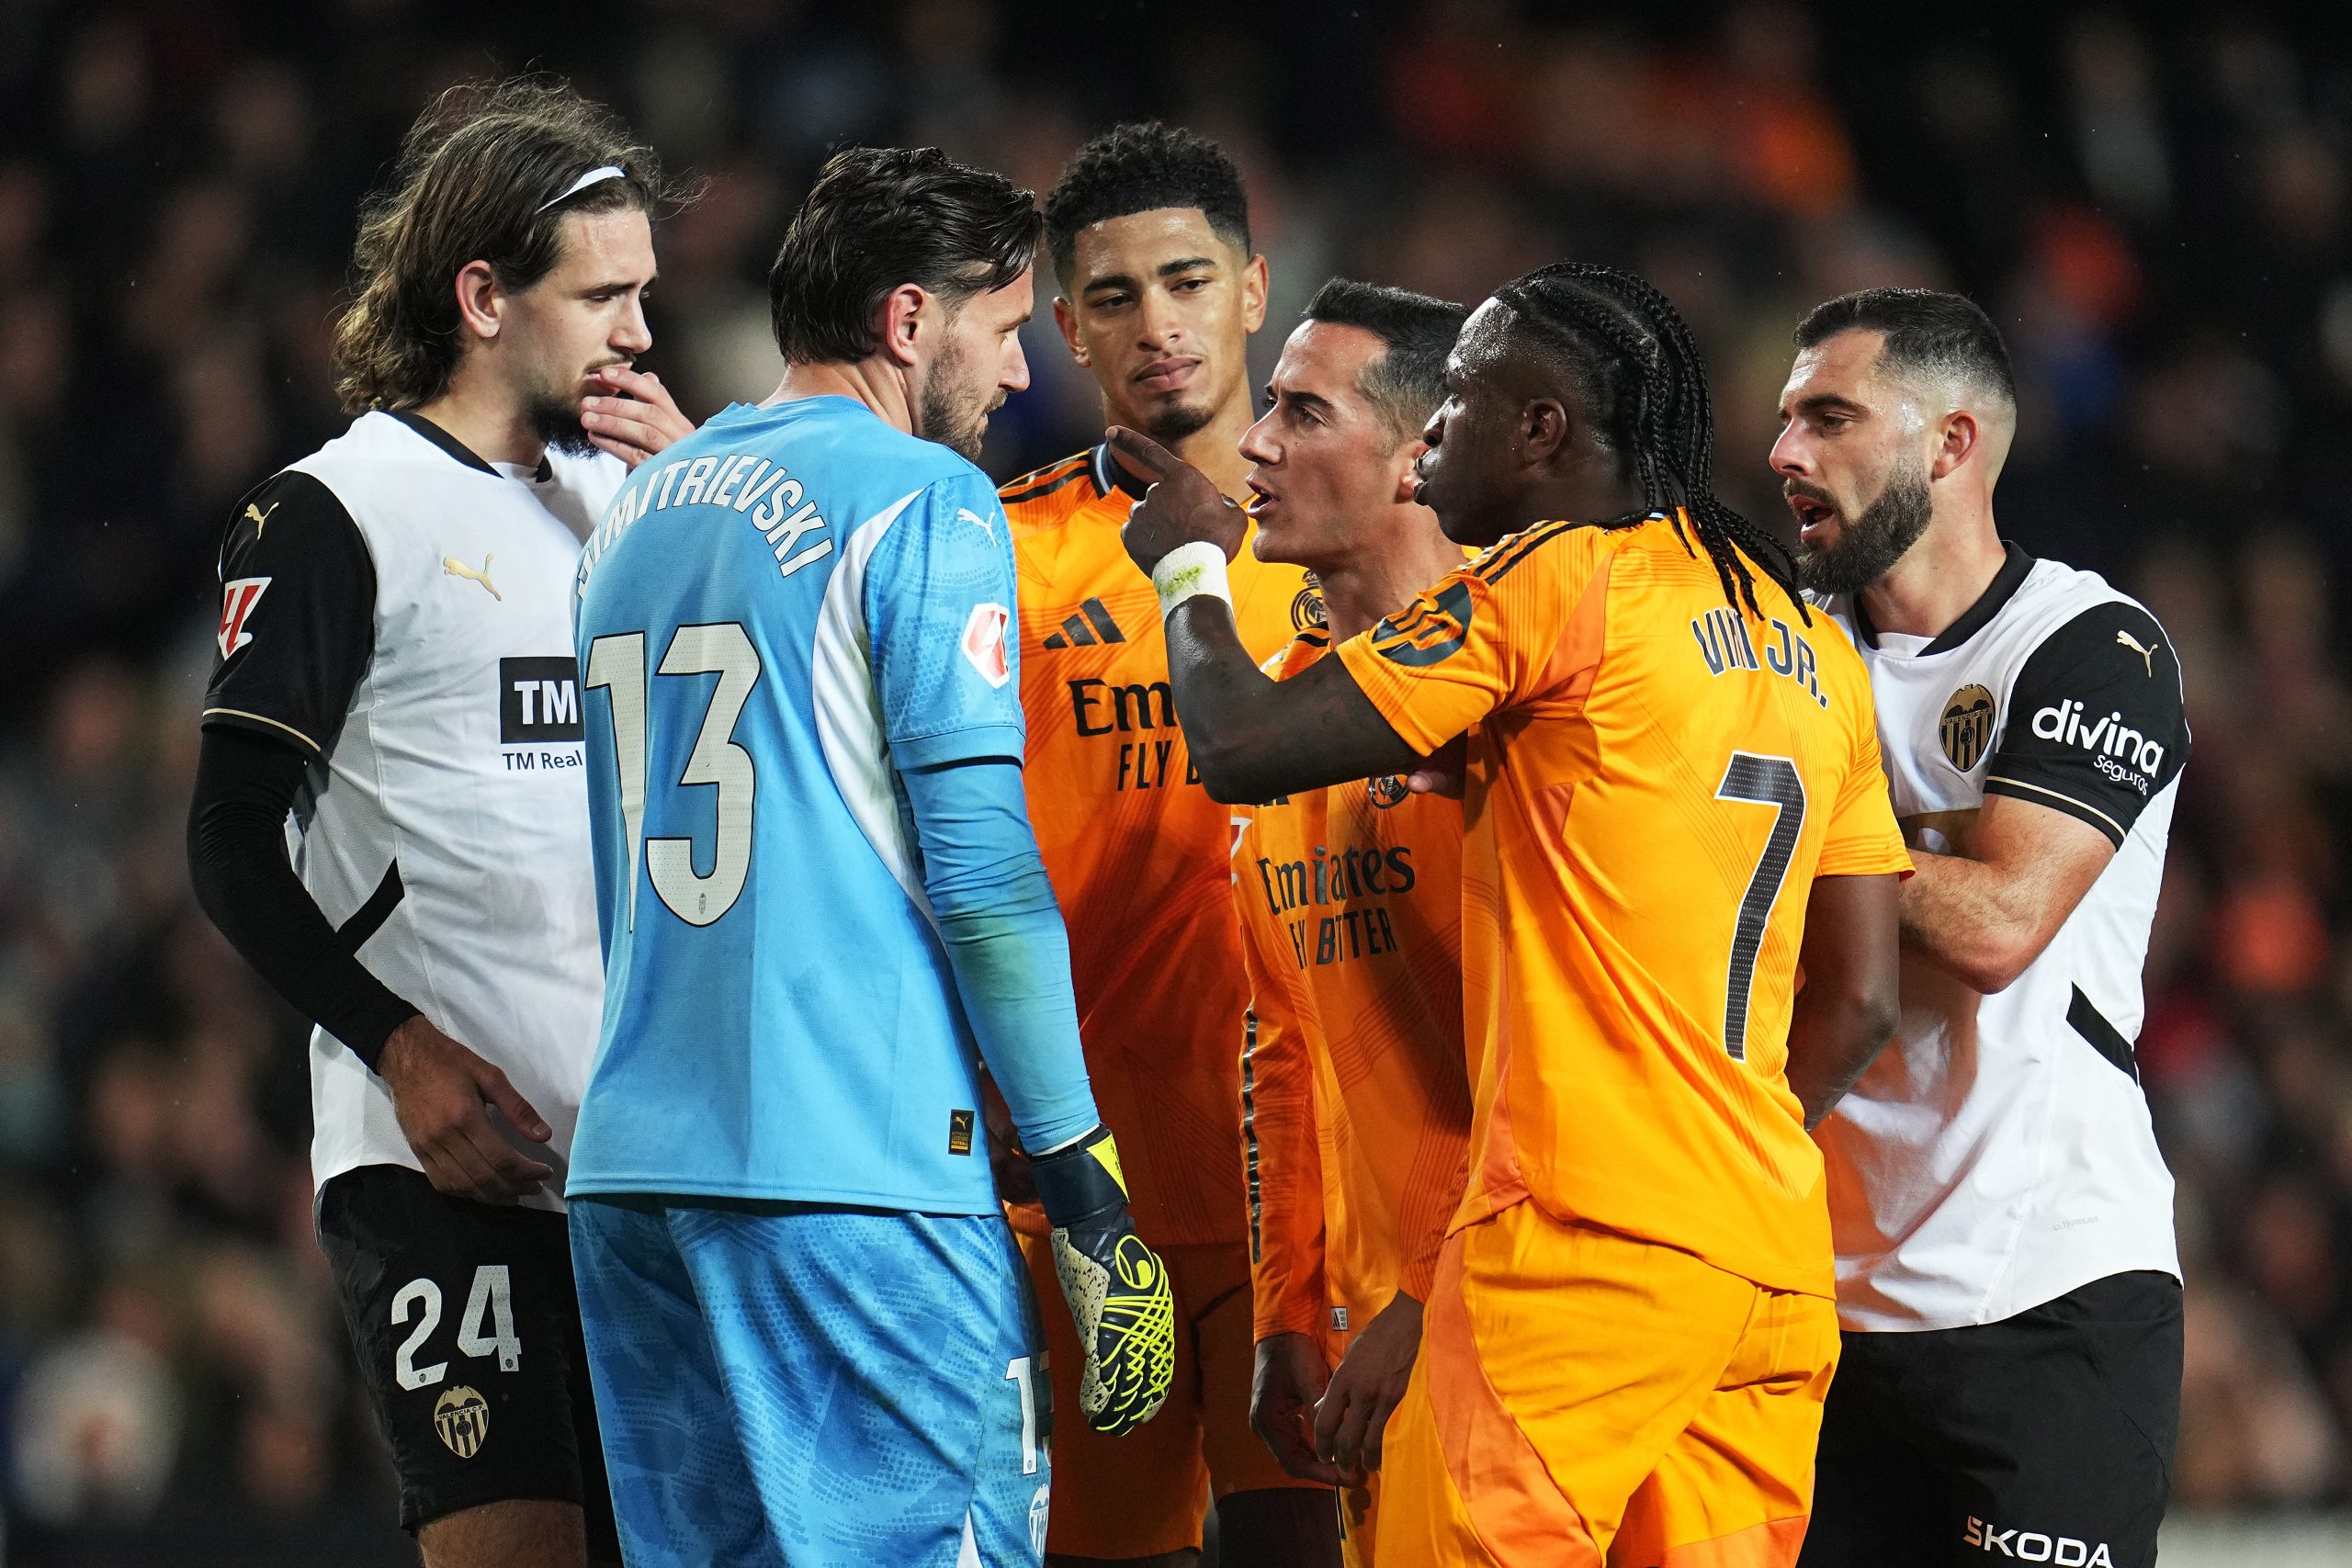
(2007, 1276)
(1673, 795)
(1159, 291)
(1350, 907)
(822, 907)
(396, 672)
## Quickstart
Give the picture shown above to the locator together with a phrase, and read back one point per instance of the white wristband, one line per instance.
(1196, 567)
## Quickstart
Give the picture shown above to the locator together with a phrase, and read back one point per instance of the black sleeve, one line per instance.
(236, 856)
(2095, 726)
(297, 615)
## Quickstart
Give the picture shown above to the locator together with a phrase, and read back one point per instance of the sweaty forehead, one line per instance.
(1847, 366)
(1326, 358)
(1483, 335)
(1142, 243)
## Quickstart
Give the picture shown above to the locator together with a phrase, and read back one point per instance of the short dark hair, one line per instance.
(880, 217)
(1143, 168)
(1406, 383)
(482, 175)
(1927, 331)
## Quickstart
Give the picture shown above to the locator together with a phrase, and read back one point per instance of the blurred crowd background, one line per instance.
(2154, 211)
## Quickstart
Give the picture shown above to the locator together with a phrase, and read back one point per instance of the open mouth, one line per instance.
(1812, 515)
(1164, 376)
(1261, 498)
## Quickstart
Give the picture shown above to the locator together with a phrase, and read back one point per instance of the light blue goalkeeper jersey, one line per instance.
(777, 615)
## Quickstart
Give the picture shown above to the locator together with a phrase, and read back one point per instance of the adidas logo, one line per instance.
(1093, 625)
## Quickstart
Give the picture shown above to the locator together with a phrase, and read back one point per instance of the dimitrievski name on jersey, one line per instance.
(395, 607)
(1999, 1153)
(775, 502)
(782, 1019)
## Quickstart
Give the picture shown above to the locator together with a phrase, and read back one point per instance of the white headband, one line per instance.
(595, 177)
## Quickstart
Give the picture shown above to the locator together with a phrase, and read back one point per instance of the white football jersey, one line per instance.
(400, 609)
(1998, 1153)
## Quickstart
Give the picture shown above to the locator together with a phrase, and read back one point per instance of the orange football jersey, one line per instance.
(1356, 1096)
(1655, 780)
(1139, 855)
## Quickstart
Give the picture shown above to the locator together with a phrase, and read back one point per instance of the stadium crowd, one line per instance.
(2160, 221)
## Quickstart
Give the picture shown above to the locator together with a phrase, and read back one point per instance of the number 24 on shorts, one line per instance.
(491, 1304)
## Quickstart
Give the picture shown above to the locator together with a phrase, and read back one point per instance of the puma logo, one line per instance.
(452, 566)
(966, 515)
(261, 518)
(2147, 654)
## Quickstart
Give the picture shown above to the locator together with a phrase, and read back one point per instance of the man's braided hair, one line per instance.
(1626, 352)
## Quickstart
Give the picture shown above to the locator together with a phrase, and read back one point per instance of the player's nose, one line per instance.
(1789, 453)
(1161, 325)
(633, 335)
(1017, 368)
(1258, 444)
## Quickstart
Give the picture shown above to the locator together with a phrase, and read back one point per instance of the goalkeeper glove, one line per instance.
(1116, 1287)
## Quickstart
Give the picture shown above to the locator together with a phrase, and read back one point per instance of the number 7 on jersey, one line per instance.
(1765, 781)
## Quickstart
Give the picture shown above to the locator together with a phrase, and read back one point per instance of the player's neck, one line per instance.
(490, 425)
(879, 385)
(1373, 583)
(1940, 577)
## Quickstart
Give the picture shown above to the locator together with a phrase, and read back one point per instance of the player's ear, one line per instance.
(902, 325)
(1067, 320)
(1960, 438)
(481, 301)
(1254, 281)
(1542, 429)
(1407, 481)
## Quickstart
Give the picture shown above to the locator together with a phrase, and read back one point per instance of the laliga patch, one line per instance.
(237, 601)
(984, 643)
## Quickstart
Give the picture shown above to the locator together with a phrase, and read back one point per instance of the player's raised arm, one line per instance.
(1252, 739)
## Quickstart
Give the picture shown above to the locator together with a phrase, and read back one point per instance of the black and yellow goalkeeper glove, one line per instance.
(1116, 1287)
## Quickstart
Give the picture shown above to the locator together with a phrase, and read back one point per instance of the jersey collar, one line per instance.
(459, 450)
(1978, 616)
(1108, 476)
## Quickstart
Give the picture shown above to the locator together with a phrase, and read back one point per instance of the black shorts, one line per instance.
(2045, 1438)
(466, 1325)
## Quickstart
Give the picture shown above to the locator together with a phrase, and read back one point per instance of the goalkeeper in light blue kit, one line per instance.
(811, 1338)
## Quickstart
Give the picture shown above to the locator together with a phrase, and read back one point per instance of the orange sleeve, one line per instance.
(1489, 635)
(1863, 837)
(1283, 1156)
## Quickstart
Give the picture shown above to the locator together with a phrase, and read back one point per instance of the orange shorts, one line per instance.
(1583, 1399)
(1146, 1493)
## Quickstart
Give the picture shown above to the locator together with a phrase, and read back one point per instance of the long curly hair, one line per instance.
(477, 179)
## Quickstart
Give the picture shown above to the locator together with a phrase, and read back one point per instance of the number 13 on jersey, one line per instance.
(616, 663)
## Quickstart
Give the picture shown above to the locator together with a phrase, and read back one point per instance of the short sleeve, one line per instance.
(2096, 723)
(940, 609)
(298, 617)
(1864, 839)
(1521, 623)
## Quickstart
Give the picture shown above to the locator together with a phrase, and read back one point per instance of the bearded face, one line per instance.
(954, 405)
(1869, 543)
